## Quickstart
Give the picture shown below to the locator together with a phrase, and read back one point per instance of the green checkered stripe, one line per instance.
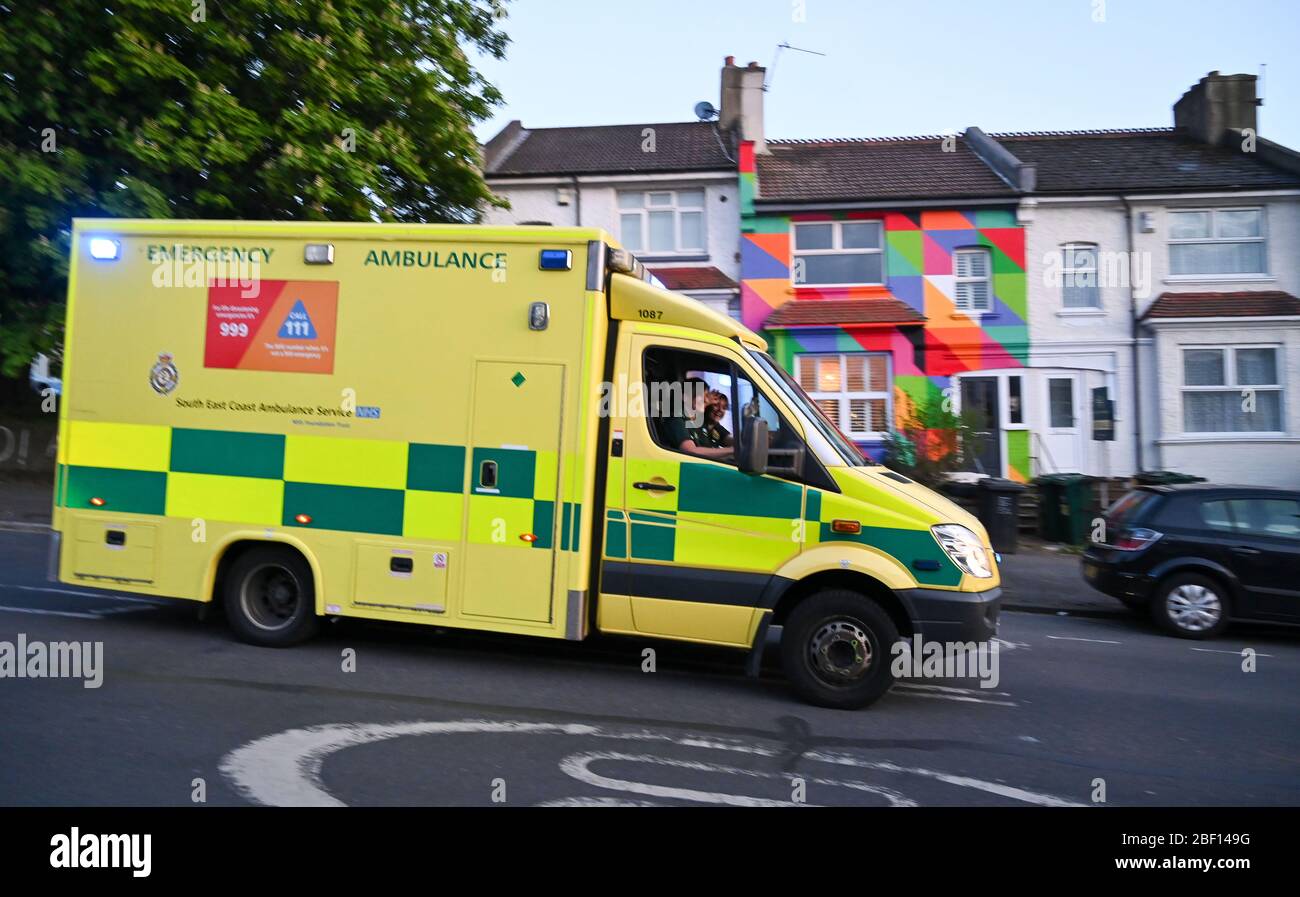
(705, 492)
(909, 546)
(710, 490)
(233, 465)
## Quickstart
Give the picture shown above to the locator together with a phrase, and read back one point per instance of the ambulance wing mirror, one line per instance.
(753, 446)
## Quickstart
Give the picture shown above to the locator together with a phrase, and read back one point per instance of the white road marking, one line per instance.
(948, 689)
(284, 769)
(1095, 641)
(596, 802)
(1020, 794)
(18, 526)
(50, 613)
(108, 596)
(917, 691)
(1233, 653)
(1004, 645)
(578, 766)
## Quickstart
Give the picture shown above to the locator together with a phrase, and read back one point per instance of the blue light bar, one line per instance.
(556, 260)
(104, 249)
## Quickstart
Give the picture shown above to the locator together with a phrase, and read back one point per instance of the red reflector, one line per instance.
(304, 519)
(528, 537)
(846, 526)
(97, 502)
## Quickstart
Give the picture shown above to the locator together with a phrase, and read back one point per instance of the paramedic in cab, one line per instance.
(690, 432)
(715, 409)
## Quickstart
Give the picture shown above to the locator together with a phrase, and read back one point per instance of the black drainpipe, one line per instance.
(577, 201)
(1134, 331)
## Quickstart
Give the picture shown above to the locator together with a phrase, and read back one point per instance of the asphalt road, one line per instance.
(448, 718)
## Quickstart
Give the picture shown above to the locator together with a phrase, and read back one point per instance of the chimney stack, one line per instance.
(742, 101)
(1216, 104)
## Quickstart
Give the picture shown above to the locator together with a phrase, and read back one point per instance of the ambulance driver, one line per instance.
(690, 433)
(715, 409)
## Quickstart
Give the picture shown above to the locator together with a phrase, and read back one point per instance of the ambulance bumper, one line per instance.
(953, 616)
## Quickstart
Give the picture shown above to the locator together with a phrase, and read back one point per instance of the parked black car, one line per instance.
(1195, 556)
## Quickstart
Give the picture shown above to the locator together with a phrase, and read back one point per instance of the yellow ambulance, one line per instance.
(506, 429)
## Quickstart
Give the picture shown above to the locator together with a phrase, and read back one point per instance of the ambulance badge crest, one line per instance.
(163, 377)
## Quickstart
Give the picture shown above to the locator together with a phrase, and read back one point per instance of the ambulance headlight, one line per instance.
(104, 249)
(965, 549)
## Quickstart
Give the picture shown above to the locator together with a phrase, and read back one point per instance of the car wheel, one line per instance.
(270, 597)
(1191, 606)
(835, 649)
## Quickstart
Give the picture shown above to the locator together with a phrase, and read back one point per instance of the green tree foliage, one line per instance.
(342, 110)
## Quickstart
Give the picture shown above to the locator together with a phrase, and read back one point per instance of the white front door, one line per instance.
(1062, 443)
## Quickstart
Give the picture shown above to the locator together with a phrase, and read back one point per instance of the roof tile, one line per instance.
(616, 149)
(1241, 304)
(892, 168)
(833, 312)
(1148, 159)
(693, 278)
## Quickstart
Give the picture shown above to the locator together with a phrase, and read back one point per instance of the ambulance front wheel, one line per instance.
(835, 649)
(270, 597)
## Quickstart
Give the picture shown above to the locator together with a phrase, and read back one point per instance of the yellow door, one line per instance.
(703, 537)
(512, 490)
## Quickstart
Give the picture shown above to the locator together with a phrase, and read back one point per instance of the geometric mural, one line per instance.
(918, 259)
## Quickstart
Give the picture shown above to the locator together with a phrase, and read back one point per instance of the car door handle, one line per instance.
(655, 487)
(1245, 549)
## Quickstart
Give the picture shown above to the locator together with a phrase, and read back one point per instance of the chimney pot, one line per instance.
(730, 60)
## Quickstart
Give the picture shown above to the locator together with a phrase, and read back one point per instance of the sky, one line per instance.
(904, 67)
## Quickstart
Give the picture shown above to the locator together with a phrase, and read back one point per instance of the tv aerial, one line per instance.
(784, 45)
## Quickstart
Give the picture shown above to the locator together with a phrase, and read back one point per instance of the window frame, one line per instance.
(1231, 386)
(810, 470)
(644, 210)
(1213, 211)
(1068, 270)
(837, 248)
(986, 279)
(1073, 427)
(845, 396)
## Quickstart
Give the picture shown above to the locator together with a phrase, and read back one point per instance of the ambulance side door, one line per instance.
(703, 538)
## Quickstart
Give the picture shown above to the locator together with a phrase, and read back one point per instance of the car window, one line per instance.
(1269, 516)
(1218, 515)
(1131, 507)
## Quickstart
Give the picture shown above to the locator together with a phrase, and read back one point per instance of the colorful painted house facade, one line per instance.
(889, 275)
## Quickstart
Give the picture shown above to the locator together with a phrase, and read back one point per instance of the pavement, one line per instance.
(25, 498)
(381, 714)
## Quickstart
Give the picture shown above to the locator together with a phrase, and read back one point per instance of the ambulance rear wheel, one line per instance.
(270, 597)
(835, 649)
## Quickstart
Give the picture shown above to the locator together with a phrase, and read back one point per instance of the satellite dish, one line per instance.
(704, 111)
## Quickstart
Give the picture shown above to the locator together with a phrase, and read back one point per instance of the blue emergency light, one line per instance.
(556, 260)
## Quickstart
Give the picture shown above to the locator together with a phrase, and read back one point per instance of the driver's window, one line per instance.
(688, 398)
(785, 448)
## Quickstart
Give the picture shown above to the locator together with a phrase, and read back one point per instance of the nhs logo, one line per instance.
(368, 411)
